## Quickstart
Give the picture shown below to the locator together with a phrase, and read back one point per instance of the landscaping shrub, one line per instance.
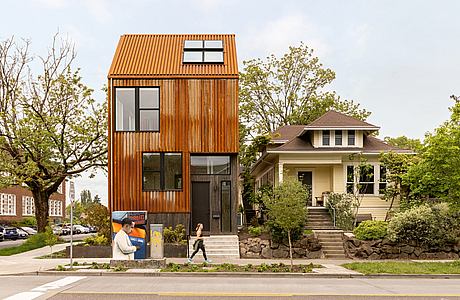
(344, 206)
(33, 242)
(431, 226)
(176, 235)
(371, 230)
(97, 240)
(255, 230)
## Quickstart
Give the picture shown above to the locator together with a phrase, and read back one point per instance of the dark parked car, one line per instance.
(11, 233)
(1, 234)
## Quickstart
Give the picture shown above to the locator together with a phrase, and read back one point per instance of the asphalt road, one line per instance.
(12, 243)
(113, 287)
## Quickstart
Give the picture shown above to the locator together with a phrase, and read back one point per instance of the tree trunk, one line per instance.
(41, 199)
(290, 248)
(391, 206)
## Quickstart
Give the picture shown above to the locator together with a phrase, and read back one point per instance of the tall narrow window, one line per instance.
(351, 137)
(137, 109)
(8, 204)
(226, 206)
(28, 206)
(326, 138)
(350, 179)
(162, 171)
(338, 137)
(383, 180)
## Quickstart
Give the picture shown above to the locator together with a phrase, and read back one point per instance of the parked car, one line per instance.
(60, 229)
(80, 229)
(29, 230)
(22, 233)
(11, 233)
(92, 229)
(2, 237)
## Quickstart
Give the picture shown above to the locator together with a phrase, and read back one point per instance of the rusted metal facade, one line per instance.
(198, 115)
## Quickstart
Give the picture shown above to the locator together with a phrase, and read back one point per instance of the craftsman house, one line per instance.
(326, 156)
(173, 129)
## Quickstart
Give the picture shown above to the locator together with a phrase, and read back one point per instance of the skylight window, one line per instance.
(207, 52)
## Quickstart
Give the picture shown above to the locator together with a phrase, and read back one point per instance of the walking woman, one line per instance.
(199, 244)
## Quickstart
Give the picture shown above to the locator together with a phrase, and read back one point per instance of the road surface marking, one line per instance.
(40, 290)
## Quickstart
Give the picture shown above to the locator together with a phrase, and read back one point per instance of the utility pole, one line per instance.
(72, 198)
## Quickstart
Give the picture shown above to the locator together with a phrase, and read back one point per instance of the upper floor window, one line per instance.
(161, 171)
(326, 138)
(137, 109)
(8, 204)
(351, 137)
(199, 51)
(338, 137)
(28, 206)
(218, 165)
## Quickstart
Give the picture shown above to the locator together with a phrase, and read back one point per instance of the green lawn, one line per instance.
(33, 242)
(396, 267)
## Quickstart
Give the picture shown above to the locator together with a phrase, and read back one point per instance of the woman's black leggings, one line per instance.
(200, 246)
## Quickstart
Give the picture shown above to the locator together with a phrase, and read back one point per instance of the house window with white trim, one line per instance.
(326, 137)
(7, 204)
(28, 206)
(338, 137)
(55, 208)
(369, 179)
(351, 137)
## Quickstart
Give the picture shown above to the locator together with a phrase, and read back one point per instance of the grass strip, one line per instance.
(396, 267)
(34, 242)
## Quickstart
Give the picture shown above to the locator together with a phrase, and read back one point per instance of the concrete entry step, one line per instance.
(331, 242)
(219, 246)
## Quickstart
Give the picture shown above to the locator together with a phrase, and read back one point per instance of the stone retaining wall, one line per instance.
(255, 247)
(385, 249)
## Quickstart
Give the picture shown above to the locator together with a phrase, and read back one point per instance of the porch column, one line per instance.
(280, 172)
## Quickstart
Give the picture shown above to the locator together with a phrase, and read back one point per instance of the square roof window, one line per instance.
(193, 44)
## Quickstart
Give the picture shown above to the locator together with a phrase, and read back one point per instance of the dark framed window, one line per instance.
(161, 171)
(200, 51)
(351, 137)
(226, 206)
(338, 137)
(137, 109)
(326, 137)
(209, 165)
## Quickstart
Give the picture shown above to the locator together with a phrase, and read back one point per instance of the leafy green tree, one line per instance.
(85, 197)
(287, 91)
(404, 142)
(50, 238)
(287, 208)
(78, 212)
(50, 126)
(98, 215)
(438, 172)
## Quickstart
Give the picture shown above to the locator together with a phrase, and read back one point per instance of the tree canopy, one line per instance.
(288, 91)
(50, 126)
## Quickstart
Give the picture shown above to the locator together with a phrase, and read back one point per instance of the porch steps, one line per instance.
(331, 242)
(319, 218)
(218, 246)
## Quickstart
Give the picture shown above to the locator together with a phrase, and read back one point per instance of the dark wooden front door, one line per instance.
(201, 205)
(307, 179)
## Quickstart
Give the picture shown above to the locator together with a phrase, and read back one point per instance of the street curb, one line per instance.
(243, 275)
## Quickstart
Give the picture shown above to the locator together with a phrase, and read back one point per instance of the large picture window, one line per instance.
(161, 171)
(137, 109)
(210, 165)
(367, 179)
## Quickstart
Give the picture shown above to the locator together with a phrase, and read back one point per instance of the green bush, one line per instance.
(176, 235)
(255, 230)
(431, 226)
(371, 230)
(97, 240)
(279, 235)
(344, 205)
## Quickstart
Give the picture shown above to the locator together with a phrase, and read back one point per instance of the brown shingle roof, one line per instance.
(160, 56)
(334, 119)
(287, 132)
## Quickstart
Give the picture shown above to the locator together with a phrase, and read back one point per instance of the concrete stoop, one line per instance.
(219, 246)
(319, 218)
(332, 243)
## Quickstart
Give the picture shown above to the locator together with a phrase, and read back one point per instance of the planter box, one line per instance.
(175, 250)
(90, 251)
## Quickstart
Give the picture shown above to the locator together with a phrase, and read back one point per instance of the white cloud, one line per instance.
(52, 3)
(99, 9)
(97, 185)
(209, 5)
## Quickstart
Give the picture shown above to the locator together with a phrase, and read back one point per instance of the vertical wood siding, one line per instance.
(196, 116)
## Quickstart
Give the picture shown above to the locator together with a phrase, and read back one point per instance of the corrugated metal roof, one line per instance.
(160, 56)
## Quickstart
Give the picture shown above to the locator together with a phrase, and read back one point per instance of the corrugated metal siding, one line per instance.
(160, 56)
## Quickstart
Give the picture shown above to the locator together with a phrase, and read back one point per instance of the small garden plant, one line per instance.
(371, 230)
(176, 235)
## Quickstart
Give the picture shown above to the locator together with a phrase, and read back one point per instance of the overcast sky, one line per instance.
(398, 59)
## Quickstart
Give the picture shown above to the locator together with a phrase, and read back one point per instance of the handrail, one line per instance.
(333, 211)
